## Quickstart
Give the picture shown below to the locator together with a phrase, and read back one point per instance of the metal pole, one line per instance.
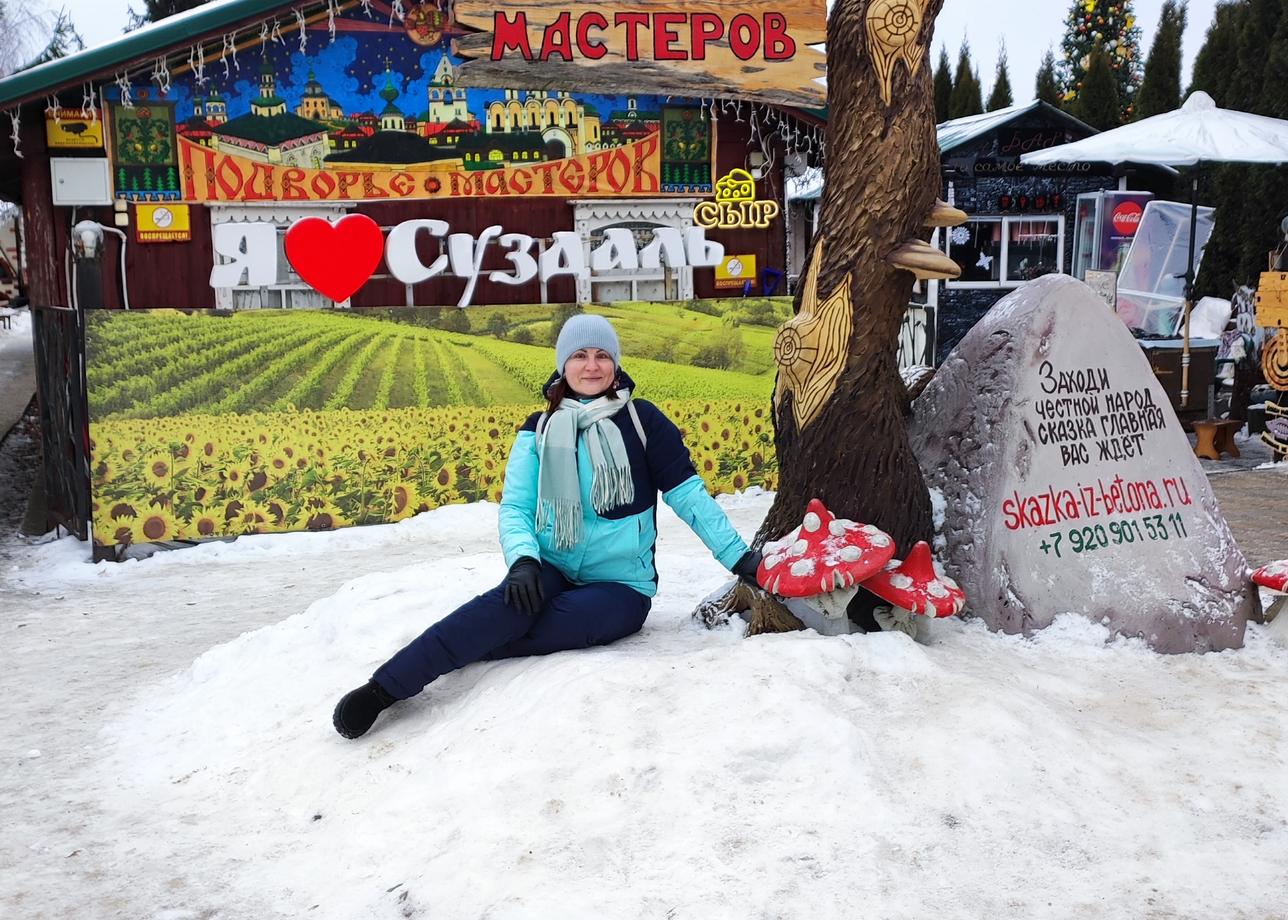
(1189, 289)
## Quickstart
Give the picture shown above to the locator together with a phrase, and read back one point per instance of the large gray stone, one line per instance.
(1069, 482)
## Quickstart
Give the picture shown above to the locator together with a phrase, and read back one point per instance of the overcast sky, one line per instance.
(1027, 27)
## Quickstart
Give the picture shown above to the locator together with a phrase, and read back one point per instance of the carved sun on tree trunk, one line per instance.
(839, 402)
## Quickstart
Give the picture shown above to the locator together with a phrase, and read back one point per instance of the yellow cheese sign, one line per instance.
(736, 271)
(69, 128)
(735, 205)
(162, 223)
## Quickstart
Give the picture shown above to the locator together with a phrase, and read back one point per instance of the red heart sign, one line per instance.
(336, 259)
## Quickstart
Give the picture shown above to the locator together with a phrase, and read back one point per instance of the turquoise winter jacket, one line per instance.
(617, 545)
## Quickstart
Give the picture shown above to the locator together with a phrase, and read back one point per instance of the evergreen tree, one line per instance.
(1160, 90)
(1047, 87)
(1243, 65)
(943, 86)
(1110, 27)
(1219, 52)
(1273, 99)
(966, 98)
(30, 35)
(1260, 21)
(1098, 104)
(1000, 97)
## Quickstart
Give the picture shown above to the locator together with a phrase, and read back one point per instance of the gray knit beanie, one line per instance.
(585, 330)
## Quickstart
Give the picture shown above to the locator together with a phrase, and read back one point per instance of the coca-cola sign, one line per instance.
(1126, 218)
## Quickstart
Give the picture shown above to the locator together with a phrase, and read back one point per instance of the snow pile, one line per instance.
(681, 772)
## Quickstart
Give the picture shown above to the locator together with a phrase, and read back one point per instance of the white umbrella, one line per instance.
(1196, 133)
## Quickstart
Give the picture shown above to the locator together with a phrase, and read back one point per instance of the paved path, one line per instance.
(1253, 495)
(17, 371)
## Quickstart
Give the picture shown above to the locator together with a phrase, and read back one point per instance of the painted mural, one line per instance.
(376, 112)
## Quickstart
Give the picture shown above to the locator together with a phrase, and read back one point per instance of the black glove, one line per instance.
(523, 588)
(745, 568)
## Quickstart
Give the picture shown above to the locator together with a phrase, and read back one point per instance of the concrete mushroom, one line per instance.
(1273, 576)
(824, 559)
(913, 586)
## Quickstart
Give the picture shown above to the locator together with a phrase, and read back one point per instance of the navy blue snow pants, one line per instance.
(573, 616)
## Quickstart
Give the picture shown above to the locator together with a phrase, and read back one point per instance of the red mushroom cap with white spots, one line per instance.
(1272, 575)
(823, 554)
(913, 584)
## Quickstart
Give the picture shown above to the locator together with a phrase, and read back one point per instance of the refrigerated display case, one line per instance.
(1105, 223)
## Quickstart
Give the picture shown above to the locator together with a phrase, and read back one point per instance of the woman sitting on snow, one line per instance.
(577, 524)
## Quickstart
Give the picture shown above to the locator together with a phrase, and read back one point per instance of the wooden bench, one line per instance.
(1216, 437)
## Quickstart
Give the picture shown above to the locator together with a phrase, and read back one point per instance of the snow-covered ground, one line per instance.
(156, 764)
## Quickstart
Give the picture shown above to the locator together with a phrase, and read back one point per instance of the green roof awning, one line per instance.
(178, 31)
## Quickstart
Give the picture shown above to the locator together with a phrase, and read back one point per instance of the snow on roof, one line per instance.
(957, 131)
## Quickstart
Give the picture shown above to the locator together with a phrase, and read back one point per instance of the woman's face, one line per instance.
(590, 371)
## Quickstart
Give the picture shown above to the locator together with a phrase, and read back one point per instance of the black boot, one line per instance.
(357, 709)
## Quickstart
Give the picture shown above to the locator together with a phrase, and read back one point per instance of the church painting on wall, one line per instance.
(383, 97)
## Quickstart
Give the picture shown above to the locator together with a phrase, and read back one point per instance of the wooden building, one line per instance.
(230, 133)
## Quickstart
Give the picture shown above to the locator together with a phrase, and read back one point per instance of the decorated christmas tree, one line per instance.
(1109, 25)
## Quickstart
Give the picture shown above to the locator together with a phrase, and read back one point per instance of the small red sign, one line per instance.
(1126, 218)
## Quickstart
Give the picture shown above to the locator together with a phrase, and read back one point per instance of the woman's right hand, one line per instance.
(523, 588)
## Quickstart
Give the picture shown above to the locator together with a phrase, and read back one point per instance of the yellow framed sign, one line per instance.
(162, 223)
(735, 271)
(69, 128)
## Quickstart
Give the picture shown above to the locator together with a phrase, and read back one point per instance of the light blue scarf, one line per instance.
(558, 485)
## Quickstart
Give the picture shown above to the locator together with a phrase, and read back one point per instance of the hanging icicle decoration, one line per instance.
(366, 7)
(301, 24)
(15, 122)
(396, 10)
(123, 83)
(332, 8)
(276, 34)
(88, 108)
(229, 50)
(53, 109)
(197, 64)
(161, 75)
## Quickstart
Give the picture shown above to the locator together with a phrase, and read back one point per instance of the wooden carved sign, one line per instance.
(810, 348)
(751, 49)
(1272, 300)
(1274, 361)
(893, 28)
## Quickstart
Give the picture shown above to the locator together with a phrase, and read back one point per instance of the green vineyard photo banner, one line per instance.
(211, 425)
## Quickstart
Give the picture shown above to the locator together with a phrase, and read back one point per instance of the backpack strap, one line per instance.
(541, 424)
(639, 428)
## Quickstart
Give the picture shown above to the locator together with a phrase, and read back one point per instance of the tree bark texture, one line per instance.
(882, 166)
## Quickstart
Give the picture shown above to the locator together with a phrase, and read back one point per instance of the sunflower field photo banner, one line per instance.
(207, 425)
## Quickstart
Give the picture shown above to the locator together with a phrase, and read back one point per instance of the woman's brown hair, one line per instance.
(560, 390)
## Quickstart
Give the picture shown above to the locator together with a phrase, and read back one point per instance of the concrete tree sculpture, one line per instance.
(839, 402)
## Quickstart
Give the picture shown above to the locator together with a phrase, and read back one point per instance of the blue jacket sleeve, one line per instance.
(518, 515)
(695, 506)
(683, 489)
